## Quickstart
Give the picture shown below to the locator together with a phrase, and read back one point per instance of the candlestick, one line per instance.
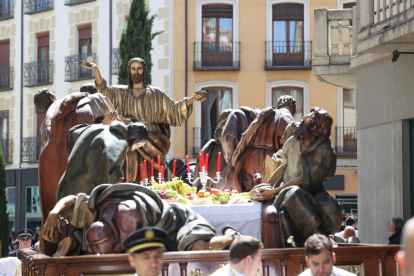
(175, 164)
(201, 160)
(206, 165)
(162, 172)
(145, 169)
(159, 162)
(188, 164)
(218, 162)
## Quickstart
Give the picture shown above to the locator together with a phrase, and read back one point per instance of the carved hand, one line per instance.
(86, 65)
(262, 192)
(110, 117)
(51, 228)
(200, 95)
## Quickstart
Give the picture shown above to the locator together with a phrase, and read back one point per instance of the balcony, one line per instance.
(335, 43)
(38, 73)
(346, 141)
(6, 9)
(200, 137)
(76, 2)
(36, 6)
(116, 61)
(7, 147)
(6, 78)
(216, 56)
(288, 55)
(31, 147)
(73, 72)
(386, 26)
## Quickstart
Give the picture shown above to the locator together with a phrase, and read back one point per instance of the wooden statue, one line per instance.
(300, 202)
(262, 138)
(141, 102)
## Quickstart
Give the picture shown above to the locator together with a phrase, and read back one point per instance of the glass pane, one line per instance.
(4, 125)
(224, 100)
(11, 205)
(43, 53)
(298, 96)
(226, 34)
(349, 99)
(279, 36)
(276, 95)
(209, 35)
(209, 115)
(32, 200)
(84, 46)
(295, 36)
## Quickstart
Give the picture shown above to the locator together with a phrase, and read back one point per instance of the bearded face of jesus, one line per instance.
(137, 72)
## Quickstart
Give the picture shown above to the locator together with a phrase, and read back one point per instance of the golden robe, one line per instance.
(157, 111)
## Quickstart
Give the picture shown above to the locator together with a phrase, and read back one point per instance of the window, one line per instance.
(4, 125)
(11, 205)
(295, 92)
(288, 34)
(85, 47)
(33, 212)
(43, 58)
(349, 132)
(218, 99)
(5, 65)
(217, 35)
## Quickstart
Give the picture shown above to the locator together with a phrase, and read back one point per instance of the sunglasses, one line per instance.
(25, 240)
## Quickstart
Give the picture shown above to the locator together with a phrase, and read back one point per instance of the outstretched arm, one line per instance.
(52, 222)
(200, 95)
(92, 66)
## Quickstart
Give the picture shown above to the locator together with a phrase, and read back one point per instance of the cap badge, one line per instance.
(149, 234)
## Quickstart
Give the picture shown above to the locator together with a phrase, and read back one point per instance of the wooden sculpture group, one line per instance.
(89, 197)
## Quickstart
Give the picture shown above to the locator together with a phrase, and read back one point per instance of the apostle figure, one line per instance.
(141, 102)
(301, 204)
(262, 138)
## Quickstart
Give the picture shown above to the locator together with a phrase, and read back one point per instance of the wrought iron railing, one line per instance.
(201, 136)
(76, 2)
(7, 147)
(31, 147)
(6, 78)
(216, 56)
(294, 54)
(73, 72)
(38, 73)
(6, 9)
(35, 6)
(346, 141)
(116, 61)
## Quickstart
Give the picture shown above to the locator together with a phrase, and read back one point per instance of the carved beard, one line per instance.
(137, 78)
(303, 131)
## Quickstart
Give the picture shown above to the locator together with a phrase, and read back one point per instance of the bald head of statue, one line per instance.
(405, 257)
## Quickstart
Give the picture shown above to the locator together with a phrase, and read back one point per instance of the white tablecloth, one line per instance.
(246, 218)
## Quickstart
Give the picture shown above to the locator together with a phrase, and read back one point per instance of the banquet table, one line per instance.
(246, 218)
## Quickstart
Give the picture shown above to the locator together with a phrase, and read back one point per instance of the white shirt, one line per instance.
(341, 234)
(10, 266)
(335, 272)
(227, 271)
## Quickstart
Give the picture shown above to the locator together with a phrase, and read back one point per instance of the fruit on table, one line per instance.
(225, 194)
(163, 195)
(215, 191)
(245, 195)
(234, 192)
(193, 190)
(201, 193)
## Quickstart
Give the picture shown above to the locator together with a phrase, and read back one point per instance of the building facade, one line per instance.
(244, 53)
(368, 58)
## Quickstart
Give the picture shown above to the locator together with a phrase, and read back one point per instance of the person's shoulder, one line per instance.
(340, 272)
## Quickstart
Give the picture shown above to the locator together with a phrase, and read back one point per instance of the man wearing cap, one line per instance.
(25, 241)
(146, 250)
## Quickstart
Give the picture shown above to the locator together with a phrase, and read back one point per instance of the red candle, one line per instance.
(175, 164)
(188, 164)
(218, 161)
(145, 169)
(152, 167)
(140, 171)
(162, 173)
(159, 163)
(206, 162)
(201, 160)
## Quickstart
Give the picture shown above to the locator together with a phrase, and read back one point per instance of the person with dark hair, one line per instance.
(395, 226)
(349, 221)
(141, 102)
(320, 258)
(302, 205)
(88, 87)
(245, 257)
(24, 237)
